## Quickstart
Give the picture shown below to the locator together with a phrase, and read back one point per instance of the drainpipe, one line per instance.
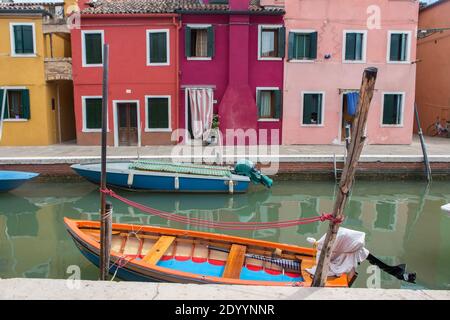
(177, 70)
(58, 104)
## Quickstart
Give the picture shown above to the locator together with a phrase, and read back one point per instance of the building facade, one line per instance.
(231, 63)
(35, 78)
(330, 43)
(433, 46)
(143, 72)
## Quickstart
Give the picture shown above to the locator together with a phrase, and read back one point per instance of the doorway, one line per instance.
(126, 123)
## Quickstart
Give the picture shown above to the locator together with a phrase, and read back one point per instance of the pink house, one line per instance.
(329, 45)
(231, 64)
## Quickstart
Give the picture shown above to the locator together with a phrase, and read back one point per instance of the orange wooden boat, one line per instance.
(147, 253)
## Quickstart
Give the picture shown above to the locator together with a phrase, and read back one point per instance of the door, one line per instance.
(128, 124)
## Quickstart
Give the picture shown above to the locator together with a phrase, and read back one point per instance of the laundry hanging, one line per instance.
(352, 103)
(201, 106)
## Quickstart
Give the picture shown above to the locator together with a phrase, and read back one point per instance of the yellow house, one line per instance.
(36, 91)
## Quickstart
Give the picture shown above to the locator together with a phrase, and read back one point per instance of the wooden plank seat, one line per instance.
(158, 249)
(235, 261)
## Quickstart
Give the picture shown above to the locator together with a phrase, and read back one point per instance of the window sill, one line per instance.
(270, 59)
(158, 130)
(16, 120)
(92, 65)
(302, 61)
(268, 120)
(30, 55)
(312, 125)
(199, 58)
(93, 130)
(392, 126)
(165, 64)
(399, 62)
(354, 61)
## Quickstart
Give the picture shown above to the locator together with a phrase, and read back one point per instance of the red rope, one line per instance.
(224, 224)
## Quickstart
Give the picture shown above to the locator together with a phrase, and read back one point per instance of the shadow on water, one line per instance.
(402, 220)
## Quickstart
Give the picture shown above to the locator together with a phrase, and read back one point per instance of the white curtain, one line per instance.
(265, 107)
(201, 103)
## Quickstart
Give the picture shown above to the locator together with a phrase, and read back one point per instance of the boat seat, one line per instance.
(235, 261)
(158, 249)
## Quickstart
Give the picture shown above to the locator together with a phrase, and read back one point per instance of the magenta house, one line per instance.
(231, 66)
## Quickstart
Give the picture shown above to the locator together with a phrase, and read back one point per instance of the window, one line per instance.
(268, 101)
(399, 46)
(17, 104)
(92, 48)
(302, 45)
(354, 49)
(392, 109)
(199, 42)
(312, 108)
(92, 114)
(157, 113)
(386, 212)
(271, 42)
(22, 39)
(158, 47)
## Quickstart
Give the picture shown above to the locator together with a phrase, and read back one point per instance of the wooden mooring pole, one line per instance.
(106, 208)
(348, 173)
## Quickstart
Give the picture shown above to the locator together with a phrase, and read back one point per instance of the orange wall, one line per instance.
(433, 70)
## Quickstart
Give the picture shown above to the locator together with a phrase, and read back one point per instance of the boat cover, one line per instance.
(347, 253)
(446, 207)
(179, 167)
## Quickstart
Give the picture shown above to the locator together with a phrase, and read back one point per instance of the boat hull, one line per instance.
(161, 182)
(10, 180)
(137, 269)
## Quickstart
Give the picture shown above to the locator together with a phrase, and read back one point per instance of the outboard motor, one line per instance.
(245, 167)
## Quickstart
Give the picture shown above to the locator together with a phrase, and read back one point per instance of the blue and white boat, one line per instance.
(164, 176)
(12, 179)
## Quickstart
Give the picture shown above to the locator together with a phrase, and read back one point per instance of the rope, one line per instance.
(224, 225)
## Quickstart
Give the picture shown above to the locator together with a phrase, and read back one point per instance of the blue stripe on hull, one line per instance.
(163, 183)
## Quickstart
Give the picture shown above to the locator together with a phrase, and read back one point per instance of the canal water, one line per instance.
(402, 221)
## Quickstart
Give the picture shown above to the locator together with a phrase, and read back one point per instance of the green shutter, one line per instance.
(277, 104)
(388, 109)
(5, 111)
(395, 50)
(27, 36)
(93, 113)
(18, 40)
(25, 104)
(187, 41)
(158, 113)
(350, 46)
(313, 46)
(281, 42)
(258, 102)
(291, 44)
(211, 44)
(158, 47)
(319, 108)
(307, 108)
(93, 48)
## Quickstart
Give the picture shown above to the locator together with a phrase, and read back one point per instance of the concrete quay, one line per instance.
(33, 289)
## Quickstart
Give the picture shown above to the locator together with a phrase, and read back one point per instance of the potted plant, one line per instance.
(214, 132)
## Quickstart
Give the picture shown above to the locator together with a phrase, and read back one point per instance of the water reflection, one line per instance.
(403, 223)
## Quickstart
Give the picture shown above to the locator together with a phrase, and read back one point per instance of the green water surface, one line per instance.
(402, 220)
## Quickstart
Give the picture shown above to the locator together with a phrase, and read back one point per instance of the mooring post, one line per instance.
(105, 216)
(423, 145)
(348, 174)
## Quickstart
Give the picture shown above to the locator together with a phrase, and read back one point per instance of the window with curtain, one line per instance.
(93, 113)
(158, 109)
(158, 46)
(312, 108)
(23, 39)
(199, 41)
(392, 109)
(302, 45)
(398, 50)
(17, 104)
(271, 42)
(354, 42)
(93, 48)
(268, 103)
